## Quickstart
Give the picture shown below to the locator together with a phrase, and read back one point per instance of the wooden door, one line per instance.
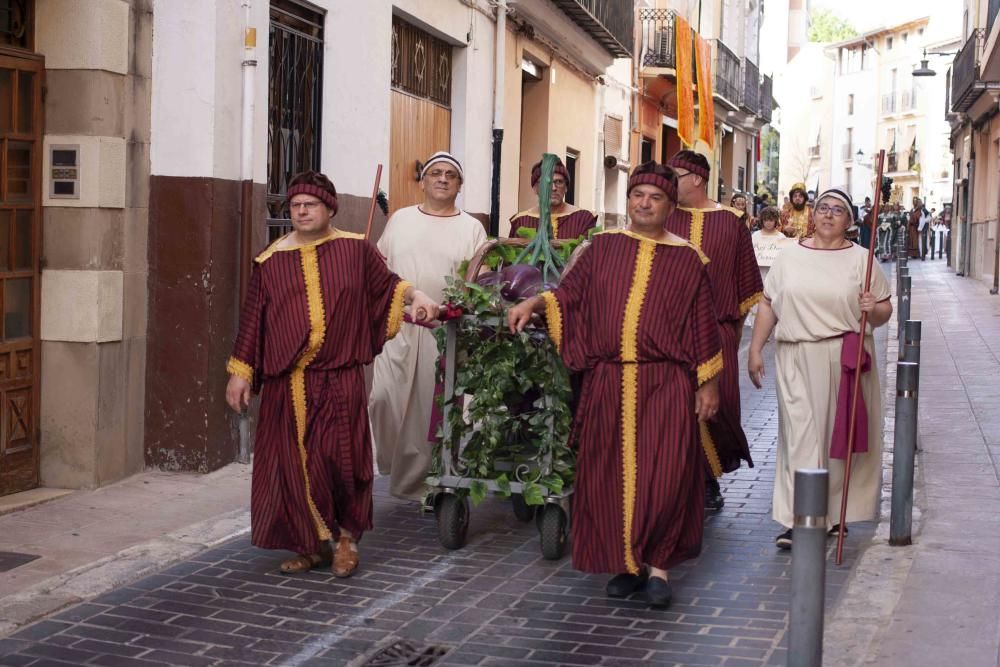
(20, 236)
(419, 128)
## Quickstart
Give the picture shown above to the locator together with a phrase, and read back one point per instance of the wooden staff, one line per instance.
(857, 366)
(371, 207)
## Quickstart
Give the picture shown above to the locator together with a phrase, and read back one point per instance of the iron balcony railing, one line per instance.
(965, 73)
(766, 98)
(908, 101)
(659, 43)
(751, 87)
(888, 103)
(891, 162)
(728, 74)
(609, 22)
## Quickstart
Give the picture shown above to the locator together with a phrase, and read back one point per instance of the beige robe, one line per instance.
(814, 294)
(422, 249)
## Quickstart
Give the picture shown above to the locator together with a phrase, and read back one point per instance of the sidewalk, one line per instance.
(937, 602)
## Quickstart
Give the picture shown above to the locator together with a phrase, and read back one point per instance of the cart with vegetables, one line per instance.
(506, 403)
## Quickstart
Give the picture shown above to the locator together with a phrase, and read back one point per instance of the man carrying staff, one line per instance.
(797, 215)
(568, 221)
(320, 305)
(635, 314)
(736, 288)
(424, 244)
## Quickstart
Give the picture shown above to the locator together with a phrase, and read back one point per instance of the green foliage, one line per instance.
(539, 251)
(825, 26)
(516, 420)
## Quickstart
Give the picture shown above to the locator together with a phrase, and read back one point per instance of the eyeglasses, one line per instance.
(835, 210)
(448, 175)
(305, 205)
(558, 183)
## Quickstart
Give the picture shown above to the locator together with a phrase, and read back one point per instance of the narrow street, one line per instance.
(495, 602)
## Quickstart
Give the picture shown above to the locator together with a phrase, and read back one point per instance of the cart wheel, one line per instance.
(452, 520)
(522, 510)
(553, 529)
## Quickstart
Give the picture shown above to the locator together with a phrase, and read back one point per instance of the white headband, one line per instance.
(840, 196)
(442, 156)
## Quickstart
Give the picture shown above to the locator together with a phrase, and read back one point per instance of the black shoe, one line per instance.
(714, 501)
(836, 529)
(623, 585)
(784, 541)
(658, 593)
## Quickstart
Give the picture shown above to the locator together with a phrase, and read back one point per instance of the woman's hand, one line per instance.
(706, 400)
(867, 302)
(422, 308)
(519, 316)
(755, 367)
(238, 393)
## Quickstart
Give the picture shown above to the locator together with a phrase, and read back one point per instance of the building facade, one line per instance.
(138, 187)
(973, 87)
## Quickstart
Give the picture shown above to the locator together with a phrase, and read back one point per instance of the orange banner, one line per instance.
(685, 96)
(706, 103)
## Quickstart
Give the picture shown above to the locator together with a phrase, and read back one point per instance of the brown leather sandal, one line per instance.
(305, 562)
(345, 559)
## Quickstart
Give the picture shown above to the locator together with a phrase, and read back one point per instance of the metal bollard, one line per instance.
(904, 305)
(903, 453)
(805, 632)
(909, 348)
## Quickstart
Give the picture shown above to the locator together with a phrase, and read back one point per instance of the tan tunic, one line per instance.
(814, 294)
(423, 248)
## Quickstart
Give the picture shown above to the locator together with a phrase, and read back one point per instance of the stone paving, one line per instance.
(495, 602)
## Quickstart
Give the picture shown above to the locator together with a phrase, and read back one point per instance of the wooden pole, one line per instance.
(371, 207)
(857, 366)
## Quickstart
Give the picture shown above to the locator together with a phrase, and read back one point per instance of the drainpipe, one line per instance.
(996, 250)
(500, 66)
(249, 66)
(970, 211)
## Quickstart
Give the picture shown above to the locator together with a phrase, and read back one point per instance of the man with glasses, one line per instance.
(568, 221)
(423, 243)
(717, 231)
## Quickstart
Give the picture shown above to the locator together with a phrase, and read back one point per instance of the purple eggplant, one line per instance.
(488, 278)
(520, 281)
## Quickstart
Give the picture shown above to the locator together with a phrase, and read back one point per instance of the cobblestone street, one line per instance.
(495, 602)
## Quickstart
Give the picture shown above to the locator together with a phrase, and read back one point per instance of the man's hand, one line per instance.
(422, 308)
(519, 316)
(238, 393)
(706, 400)
(755, 367)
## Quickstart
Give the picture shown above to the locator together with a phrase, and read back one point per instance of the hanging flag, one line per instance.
(706, 103)
(685, 96)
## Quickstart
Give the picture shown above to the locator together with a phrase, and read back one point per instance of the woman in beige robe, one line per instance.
(812, 297)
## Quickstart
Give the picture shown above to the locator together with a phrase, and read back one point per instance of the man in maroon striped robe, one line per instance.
(320, 305)
(568, 221)
(736, 286)
(635, 314)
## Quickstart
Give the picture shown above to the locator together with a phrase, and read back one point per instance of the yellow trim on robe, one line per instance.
(553, 319)
(240, 369)
(395, 319)
(750, 302)
(710, 368)
(630, 391)
(708, 444)
(697, 227)
(334, 234)
(317, 334)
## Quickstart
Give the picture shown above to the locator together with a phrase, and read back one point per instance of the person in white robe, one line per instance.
(423, 244)
(813, 296)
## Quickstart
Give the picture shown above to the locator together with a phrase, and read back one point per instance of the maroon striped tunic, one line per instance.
(636, 317)
(314, 315)
(569, 226)
(736, 287)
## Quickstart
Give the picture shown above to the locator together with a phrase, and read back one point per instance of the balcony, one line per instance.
(891, 163)
(766, 99)
(751, 87)
(659, 44)
(965, 81)
(913, 159)
(728, 74)
(608, 22)
(888, 103)
(908, 101)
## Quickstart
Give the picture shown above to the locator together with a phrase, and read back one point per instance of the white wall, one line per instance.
(802, 114)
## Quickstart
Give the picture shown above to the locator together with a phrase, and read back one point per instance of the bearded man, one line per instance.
(797, 218)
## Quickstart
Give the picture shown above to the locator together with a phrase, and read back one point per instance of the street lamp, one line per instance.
(924, 69)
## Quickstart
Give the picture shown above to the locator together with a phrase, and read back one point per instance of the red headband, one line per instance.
(656, 180)
(690, 166)
(319, 193)
(536, 173)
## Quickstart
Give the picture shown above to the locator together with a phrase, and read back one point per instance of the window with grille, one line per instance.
(17, 23)
(613, 136)
(421, 63)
